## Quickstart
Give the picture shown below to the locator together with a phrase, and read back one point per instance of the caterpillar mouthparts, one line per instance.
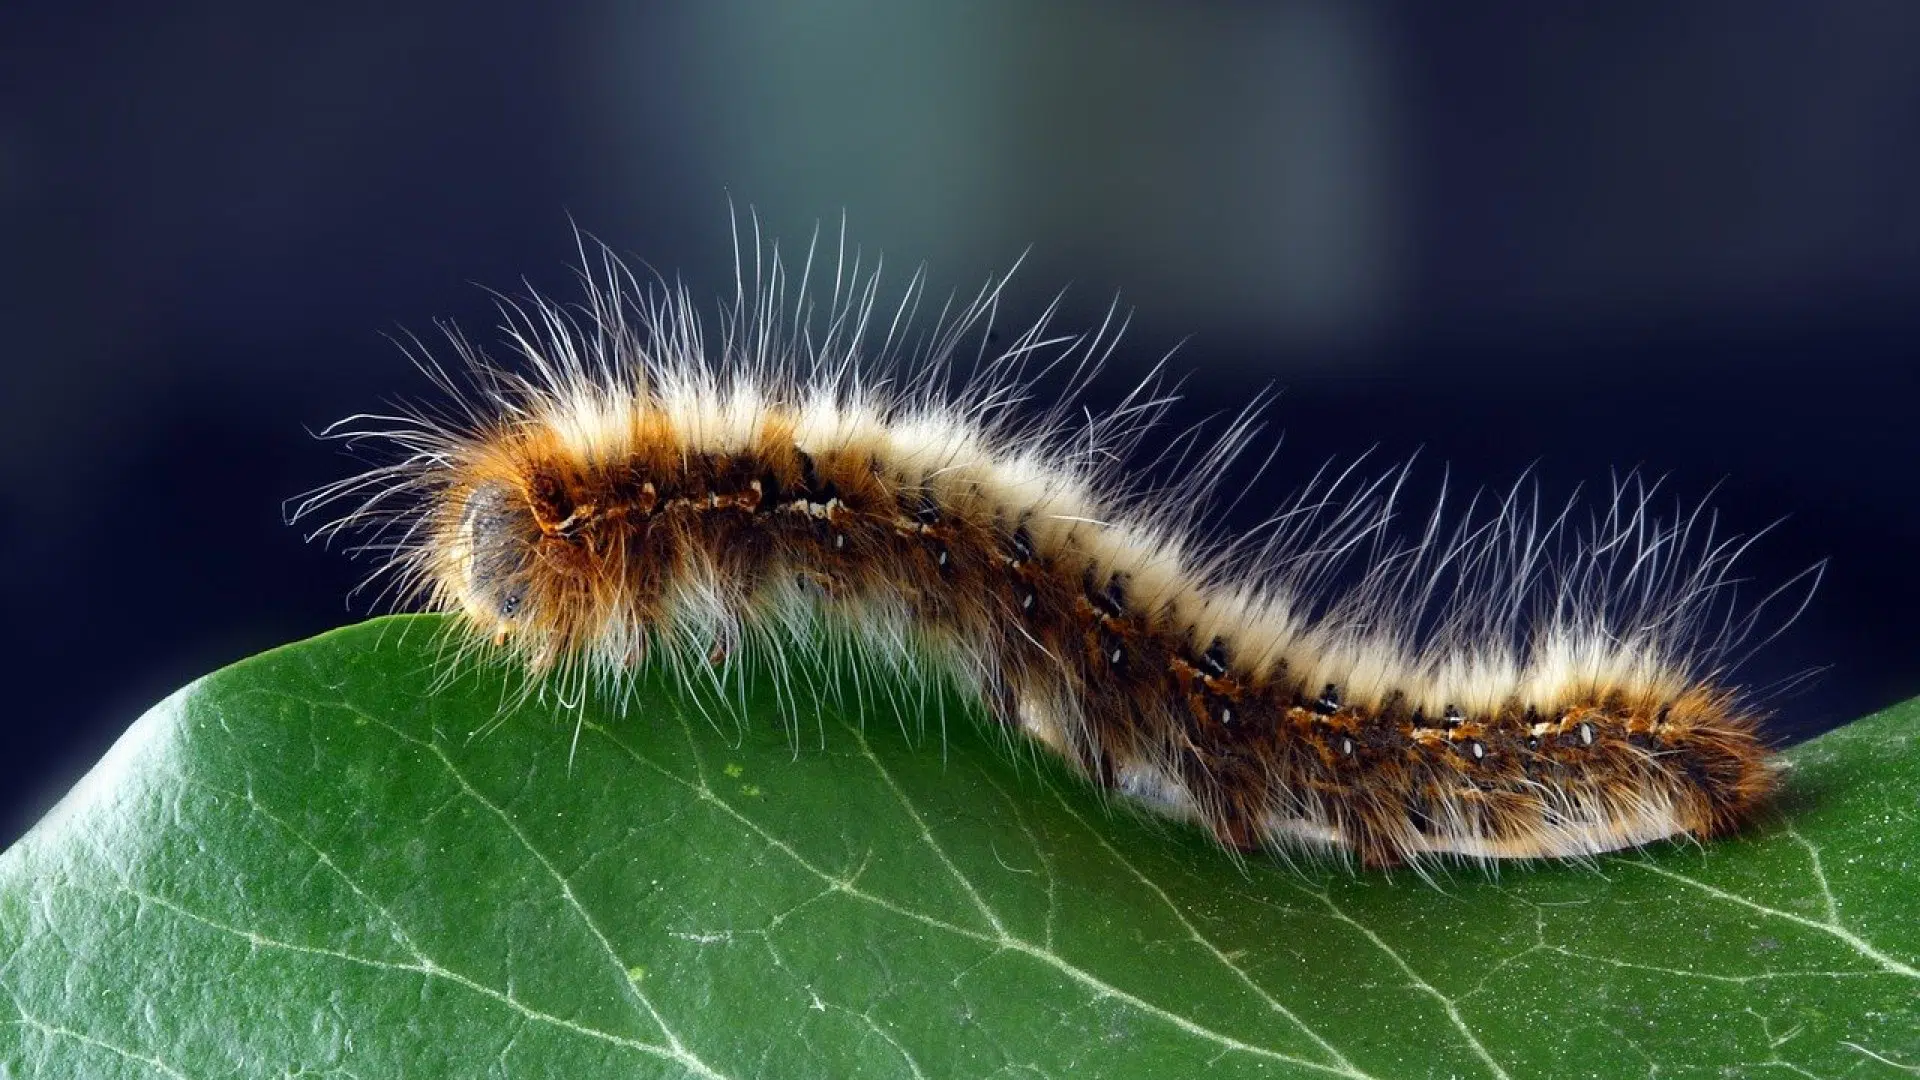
(634, 490)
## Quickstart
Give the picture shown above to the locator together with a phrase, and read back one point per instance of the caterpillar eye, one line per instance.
(494, 548)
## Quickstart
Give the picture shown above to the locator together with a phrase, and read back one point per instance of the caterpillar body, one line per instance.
(634, 489)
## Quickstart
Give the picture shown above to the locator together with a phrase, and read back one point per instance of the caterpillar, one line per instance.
(632, 488)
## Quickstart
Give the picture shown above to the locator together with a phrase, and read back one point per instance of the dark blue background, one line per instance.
(1686, 241)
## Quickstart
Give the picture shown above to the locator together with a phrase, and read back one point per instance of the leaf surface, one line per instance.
(309, 864)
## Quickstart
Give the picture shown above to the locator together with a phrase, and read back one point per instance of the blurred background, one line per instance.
(1685, 239)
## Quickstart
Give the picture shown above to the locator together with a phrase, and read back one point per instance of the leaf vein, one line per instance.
(1834, 929)
(432, 969)
(58, 1031)
(1421, 984)
(1214, 950)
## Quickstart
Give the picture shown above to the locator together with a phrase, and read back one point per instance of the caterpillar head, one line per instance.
(492, 556)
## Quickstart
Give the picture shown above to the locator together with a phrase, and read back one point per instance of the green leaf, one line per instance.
(309, 865)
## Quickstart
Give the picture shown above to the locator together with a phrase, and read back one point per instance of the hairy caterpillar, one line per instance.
(635, 489)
